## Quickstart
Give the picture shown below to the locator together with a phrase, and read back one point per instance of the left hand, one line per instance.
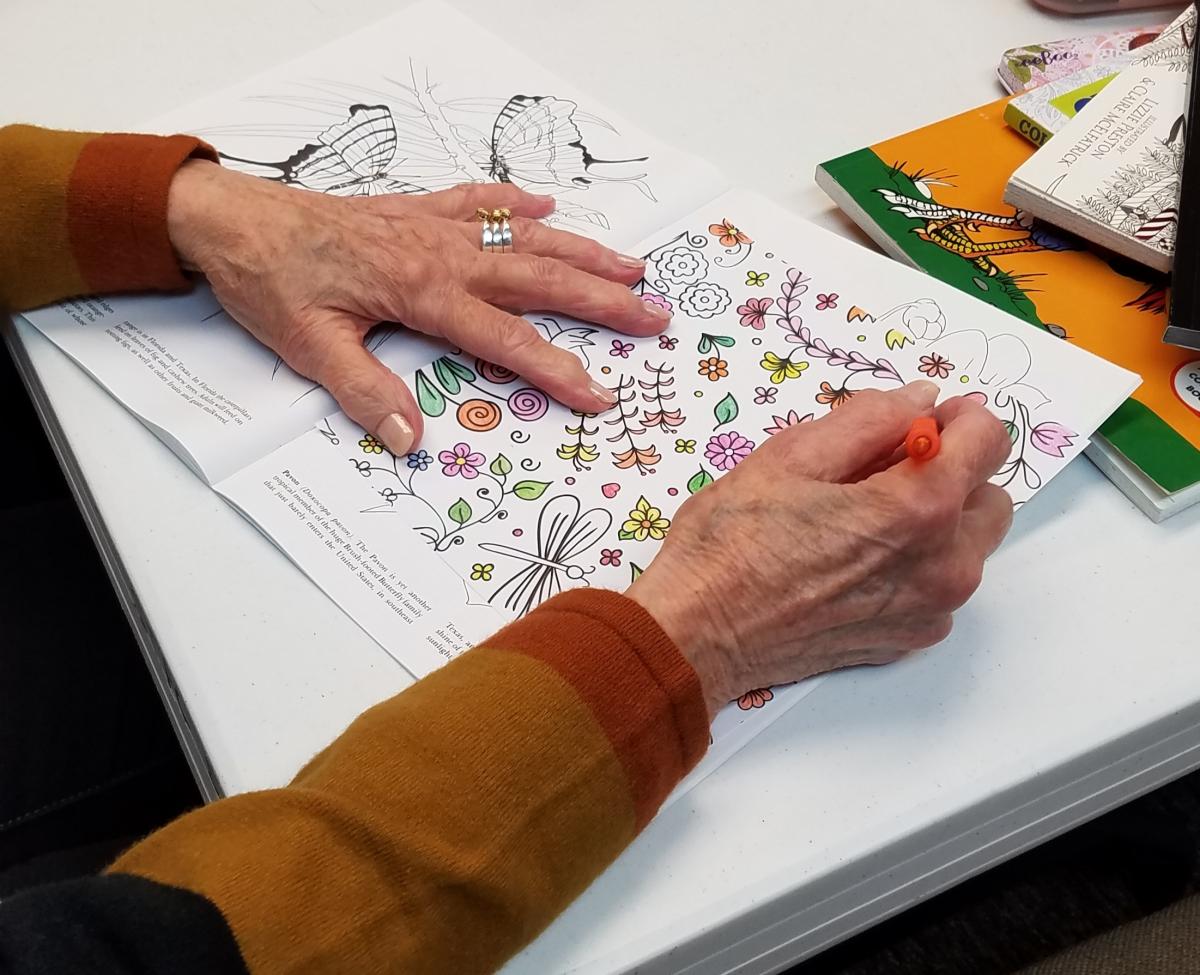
(309, 275)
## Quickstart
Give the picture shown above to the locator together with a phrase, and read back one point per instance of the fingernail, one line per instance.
(543, 198)
(657, 311)
(396, 434)
(602, 393)
(626, 261)
(923, 391)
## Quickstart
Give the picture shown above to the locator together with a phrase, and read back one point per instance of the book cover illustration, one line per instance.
(1027, 68)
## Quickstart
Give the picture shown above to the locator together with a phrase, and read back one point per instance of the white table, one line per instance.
(1071, 683)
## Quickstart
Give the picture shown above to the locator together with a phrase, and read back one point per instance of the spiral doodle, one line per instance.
(529, 464)
(528, 404)
(519, 436)
(479, 415)
(494, 373)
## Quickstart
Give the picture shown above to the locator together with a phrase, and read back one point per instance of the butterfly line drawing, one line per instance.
(404, 139)
(564, 533)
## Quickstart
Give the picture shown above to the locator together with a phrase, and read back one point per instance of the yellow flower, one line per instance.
(370, 445)
(645, 522)
(482, 571)
(685, 446)
(781, 369)
(756, 279)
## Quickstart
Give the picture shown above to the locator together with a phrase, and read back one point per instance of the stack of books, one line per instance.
(1060, 205)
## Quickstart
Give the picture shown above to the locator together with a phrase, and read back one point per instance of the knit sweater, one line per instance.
(446, 826)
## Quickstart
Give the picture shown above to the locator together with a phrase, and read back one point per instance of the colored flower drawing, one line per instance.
(667, 342)
(1052, 438)
(685, 446)
(610, 556)
(726, 450)
(781, 369)
(935, 366)
(754, 312)
(756, 279)
(834, 398)
(765, 394)
(461, 462)
(421, 460)
(755, 699)
(482, 571)
(825, 302)
(645, 521)
(621, 349)
(680, 265)
(370, 445)
(659, 300)
(783, 422)
(728, 234)
(713, 368)
(704, 299)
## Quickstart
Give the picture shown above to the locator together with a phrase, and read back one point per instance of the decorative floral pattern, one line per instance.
(620, 349)
(680, 265)
(935, 366)
(728, 235)
(713, 368)
(765, 394)
(756, 279)
(610, 556)
(658, 300)
(755, 699)
(1052, 438)
(482, 572)
(370, 445)
(726, 450)
(461, 462)
(783, 422)
(825, 302)
(645, 521)
(421, 460)
(833, 398)
(754, 312)
(683, 446)
(781, 369)
(667, 342)
(704, 299)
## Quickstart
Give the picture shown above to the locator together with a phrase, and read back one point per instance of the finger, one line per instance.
(974, 445)
(369, 393)
(531, 237)
(528, 282)
(986, 519)
(510, 341)
(856, 437)
(461, 202)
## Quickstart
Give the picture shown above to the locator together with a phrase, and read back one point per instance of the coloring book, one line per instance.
(511, 498)
(1026, 68)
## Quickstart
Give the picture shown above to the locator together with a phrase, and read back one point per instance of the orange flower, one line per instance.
(755, 699)
(728, 234)
(714, 368)
(835, 397)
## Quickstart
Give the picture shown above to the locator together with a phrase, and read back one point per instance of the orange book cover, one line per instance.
(933, 198)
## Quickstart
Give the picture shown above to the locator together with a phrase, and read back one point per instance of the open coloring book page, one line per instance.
(405, 106)
(512, 498)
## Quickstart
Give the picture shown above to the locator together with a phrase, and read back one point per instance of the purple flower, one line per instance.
(461, 461)
(825, 302)
(754, 312)
(667, 342)
(610, 556)
(726, 450)
(652, 299)
(1052, 438)
(620, 348)
(765, 394)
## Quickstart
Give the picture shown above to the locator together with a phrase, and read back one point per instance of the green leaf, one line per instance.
(445, 375)
(456, 367)
(530, 490)
(635, 571)
(726, 411)
(699, 480)
(1013, 432)
(460, 512)
(624, 535)
(705, 345)
(501, 466)
(726, 341)
(432, 402)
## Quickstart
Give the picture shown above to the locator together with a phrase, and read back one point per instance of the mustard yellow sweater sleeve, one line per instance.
(82, 212)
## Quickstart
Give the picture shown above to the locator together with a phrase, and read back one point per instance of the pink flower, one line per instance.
(783, 422)
(659, 300)
(935, 366)
(825, 302)
(765, 394)
(620, 348)
(726, 450)
(755, 699)
(461, 461)
(754, 312)
(610, 556)
(667, 342)
(1052, 438)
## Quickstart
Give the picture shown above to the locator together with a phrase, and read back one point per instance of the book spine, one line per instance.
(1027, 126)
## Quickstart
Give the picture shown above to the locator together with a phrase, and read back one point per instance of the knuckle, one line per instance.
(931, 632)
(956, 583)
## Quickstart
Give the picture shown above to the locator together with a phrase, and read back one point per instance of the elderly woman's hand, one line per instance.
(828, 548)
(310, 274)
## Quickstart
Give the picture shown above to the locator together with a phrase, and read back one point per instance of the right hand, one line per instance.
(827, 547)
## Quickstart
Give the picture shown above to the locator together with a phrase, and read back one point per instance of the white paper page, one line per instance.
(512, 498)
(405, 105)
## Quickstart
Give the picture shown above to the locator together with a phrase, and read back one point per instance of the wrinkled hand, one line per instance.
(827, 547)
(309, 275)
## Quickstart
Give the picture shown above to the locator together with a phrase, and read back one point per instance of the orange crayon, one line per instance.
(924, 440)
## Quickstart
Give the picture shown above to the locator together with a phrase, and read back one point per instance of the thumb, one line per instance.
(370, 394)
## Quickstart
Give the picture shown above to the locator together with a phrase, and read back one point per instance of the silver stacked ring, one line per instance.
(495, 235)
